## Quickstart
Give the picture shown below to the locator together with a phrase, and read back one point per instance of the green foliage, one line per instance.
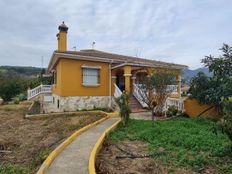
(43, 154)
(34, 82)
(14, 85)
(96, 109)
(11, 86)
(216, 90)
(220, 66)
(227, 119)
(199, 86)
(20, 70)
(11, 169)
(19, 97)
(210, 90)
(186, 142)
(123, 102)
(155, 90)
(172, 111)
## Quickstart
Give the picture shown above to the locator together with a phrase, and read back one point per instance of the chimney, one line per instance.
(62, 37)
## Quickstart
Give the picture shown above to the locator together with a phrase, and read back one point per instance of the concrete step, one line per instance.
(135, 105)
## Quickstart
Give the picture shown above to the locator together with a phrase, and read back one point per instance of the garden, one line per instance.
(179, 145)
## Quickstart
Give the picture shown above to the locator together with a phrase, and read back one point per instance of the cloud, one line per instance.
(174, 31)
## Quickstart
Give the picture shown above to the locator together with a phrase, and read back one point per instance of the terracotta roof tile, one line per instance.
(121, 58)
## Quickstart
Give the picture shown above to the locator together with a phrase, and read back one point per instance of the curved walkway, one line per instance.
(75, 157)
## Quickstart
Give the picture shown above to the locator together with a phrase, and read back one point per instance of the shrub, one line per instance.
(172, 111)
(159, 113)
(227, 120)
(43, 154)
(123, 102)
(9, 88)
(16, 100)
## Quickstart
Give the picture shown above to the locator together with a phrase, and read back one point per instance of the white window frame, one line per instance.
(85, 77)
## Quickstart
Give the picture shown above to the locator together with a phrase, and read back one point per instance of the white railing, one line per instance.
(139, 95)
(176, 102)
(173, 88)
(117, 91)
(41, 89)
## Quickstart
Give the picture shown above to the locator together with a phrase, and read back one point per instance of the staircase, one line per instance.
(135, 105)
(41, 89)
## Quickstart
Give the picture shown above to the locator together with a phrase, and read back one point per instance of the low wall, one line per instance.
(193, 108)
(74, 103)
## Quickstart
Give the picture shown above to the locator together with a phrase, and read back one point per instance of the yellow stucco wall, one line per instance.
(193, 108)
(69, 79)
(57, 86)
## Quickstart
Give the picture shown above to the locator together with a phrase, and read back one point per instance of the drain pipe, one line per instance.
(110, 92)
(110, 84)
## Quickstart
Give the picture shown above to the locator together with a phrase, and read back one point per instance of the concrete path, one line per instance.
(141, 115)
(75, 157)
(146, 116)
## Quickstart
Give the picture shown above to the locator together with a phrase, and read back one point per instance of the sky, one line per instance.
(177, 31)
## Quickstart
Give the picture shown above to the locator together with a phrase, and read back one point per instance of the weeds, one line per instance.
(187, 142)
(11, 169)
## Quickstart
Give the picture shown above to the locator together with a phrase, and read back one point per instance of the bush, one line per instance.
(172, 111)
(10, 87)
(159, 113)
(123, 102)
(16, 100)
(184, 114)
(227, 120)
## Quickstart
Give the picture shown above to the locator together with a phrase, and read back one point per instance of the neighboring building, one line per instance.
(91, 78)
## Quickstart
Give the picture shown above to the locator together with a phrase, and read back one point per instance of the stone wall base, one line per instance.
(74, 103)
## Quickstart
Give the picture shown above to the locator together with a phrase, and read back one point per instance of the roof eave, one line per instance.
(57, 55)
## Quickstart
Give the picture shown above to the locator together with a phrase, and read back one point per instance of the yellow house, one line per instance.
(90, 78)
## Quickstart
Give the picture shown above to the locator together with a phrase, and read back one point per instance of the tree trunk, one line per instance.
(153, 117)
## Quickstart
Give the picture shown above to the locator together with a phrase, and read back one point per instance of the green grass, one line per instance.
(11, 169)
(187, 142)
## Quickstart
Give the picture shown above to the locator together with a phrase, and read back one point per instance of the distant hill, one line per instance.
(188, 74)
(20, 70)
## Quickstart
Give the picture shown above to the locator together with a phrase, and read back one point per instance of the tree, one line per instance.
(11, 86)
(227, 121)
(154, 90)
(217, 90)
(13, 81)
(211, 90)
(220, 66)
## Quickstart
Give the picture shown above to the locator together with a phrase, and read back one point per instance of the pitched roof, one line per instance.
(117, 58)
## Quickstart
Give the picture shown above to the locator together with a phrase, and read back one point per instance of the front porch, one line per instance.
(128, 79)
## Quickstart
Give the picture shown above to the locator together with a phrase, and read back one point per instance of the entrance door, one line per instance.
(120, 81)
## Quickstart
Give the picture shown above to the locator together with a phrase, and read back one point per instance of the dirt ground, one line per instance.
(27, 142)
(109, 163)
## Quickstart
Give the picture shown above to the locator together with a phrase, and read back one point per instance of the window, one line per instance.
(91, 76)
